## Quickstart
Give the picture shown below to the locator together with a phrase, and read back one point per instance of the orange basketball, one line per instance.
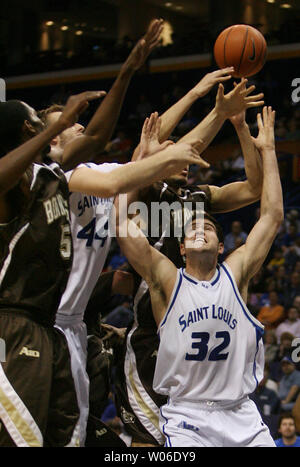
(242, 47)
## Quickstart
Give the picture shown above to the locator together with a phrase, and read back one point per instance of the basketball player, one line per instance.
(38, 403)
(93, 188)
(210, 355)
(138, 404)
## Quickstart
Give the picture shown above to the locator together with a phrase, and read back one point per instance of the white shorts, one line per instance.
(75, 331)
(211, 424)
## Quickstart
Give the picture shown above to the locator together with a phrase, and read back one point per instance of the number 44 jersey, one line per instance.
(210, 345)
(91, 242)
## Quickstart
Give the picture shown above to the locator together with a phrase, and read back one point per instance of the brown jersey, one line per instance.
(36, 247)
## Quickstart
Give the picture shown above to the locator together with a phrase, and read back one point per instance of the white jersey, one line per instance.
(91, 242)
(210, 345)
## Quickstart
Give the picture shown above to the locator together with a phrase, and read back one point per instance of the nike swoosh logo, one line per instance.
(252, 58)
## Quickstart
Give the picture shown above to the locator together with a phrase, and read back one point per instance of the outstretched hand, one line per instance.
(144, 47)
(149, 143)
(76, 105)
(237, 100)
(210, 79)
(266, 136)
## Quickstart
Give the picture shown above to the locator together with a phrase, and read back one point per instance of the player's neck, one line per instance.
(289, 441)
(202, 269)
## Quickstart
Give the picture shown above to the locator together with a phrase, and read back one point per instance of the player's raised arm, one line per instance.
(157, 270)
(102, 124)
(227, 105)
(139, 174)
(15, 163)
(171, 117)
(246, 260)
(239, 194)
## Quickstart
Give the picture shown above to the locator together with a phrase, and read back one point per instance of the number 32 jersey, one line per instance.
(210, 345)
(91, 242)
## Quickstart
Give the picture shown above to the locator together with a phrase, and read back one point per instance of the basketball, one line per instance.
(242, 47)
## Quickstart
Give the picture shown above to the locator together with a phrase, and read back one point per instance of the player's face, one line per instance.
(287, 428)
(70, 133)
(201, 236)
(33, 118)
(180, 179)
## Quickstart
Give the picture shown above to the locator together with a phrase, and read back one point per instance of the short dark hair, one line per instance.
(13, 114)
(43, 114)
(284, 416)
(219, 230)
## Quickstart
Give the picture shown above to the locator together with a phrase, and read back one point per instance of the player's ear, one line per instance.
(28, 129)
(182, 248)
(55, 141)
(221, 248)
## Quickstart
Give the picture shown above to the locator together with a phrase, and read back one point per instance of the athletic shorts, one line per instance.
(74, 330)
(213, 424)
(38, 405)
(137, 403)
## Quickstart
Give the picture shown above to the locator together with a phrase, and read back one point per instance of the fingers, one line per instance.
(91, 95)
(254, 98)
(219, 74)
(220, 93)
(166, 144)
(153, 33)
(259, 122)
(254, 104)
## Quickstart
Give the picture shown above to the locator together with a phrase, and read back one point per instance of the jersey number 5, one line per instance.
(66, 242)
(202, 346)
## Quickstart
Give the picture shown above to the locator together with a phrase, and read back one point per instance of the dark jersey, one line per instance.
(36, 247)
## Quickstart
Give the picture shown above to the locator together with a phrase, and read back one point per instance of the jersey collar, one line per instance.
(195, 281)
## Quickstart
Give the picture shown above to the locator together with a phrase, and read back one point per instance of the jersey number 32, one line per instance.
(201, 345)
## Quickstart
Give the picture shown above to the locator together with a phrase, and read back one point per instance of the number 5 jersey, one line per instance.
(36, 246)
(210, 345)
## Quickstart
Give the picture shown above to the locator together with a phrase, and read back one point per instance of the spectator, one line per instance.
(277, 260)
(291, 324)
(271, 315)
(296, 303)
(293, 289)
(235, 238)
(285, 346)
(280, 278)
(287, 429)
(290, 237)
(267, 401)
(289, 384)
(270, 345)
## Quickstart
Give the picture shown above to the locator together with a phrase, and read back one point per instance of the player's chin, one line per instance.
(179, 179)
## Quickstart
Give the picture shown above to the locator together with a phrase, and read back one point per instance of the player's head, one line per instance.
(203, 236)
(51, 115)
(18, 123)
(286, 426)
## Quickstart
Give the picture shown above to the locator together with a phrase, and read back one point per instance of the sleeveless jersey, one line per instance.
(210, 345)
(91, 242)
(36, 247)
